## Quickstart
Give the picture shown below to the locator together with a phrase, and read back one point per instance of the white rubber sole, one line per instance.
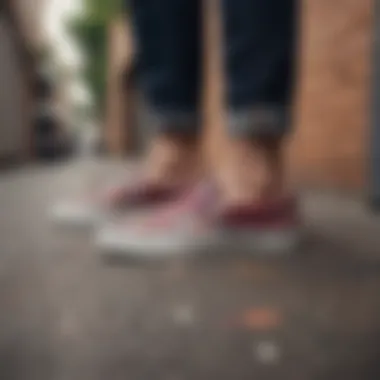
(71, 217)
(260, 243)
(109, 243)
(277, 242)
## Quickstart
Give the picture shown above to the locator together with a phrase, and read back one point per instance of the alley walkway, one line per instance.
(66, 315)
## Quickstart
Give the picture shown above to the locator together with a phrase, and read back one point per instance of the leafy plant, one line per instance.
(90, 30)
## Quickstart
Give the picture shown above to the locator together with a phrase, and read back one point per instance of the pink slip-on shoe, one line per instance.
(92, 207)
(195, 223)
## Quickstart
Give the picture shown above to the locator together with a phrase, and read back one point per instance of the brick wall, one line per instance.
(330, 147)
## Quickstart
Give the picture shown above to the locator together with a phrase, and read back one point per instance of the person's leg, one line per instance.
(168, 56)
(259, 51)
(247, 206)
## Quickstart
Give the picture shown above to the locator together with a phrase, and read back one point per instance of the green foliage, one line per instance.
(90, 30)
(102, 10)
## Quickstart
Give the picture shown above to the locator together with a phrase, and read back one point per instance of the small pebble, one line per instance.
(267, 352)
(184, 315)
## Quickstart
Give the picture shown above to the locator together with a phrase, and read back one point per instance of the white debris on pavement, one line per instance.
(267, 352)
(183, 315)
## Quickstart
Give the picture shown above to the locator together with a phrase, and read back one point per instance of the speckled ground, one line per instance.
(66, 315)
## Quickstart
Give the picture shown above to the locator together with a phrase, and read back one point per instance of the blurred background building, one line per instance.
(30, 121)
(20, 41)
(80, 55)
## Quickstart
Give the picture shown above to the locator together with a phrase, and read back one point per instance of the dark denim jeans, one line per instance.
(259, 38)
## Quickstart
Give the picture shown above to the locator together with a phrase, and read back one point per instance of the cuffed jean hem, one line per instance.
(184, 123)
(265, 120)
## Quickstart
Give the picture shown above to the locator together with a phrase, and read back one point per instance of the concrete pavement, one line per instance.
(65, 315)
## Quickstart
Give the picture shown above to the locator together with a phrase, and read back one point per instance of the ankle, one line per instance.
(173, 159)
(255, 171)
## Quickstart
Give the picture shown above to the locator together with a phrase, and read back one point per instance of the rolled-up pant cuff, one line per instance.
(265, 120)
(174, 122)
